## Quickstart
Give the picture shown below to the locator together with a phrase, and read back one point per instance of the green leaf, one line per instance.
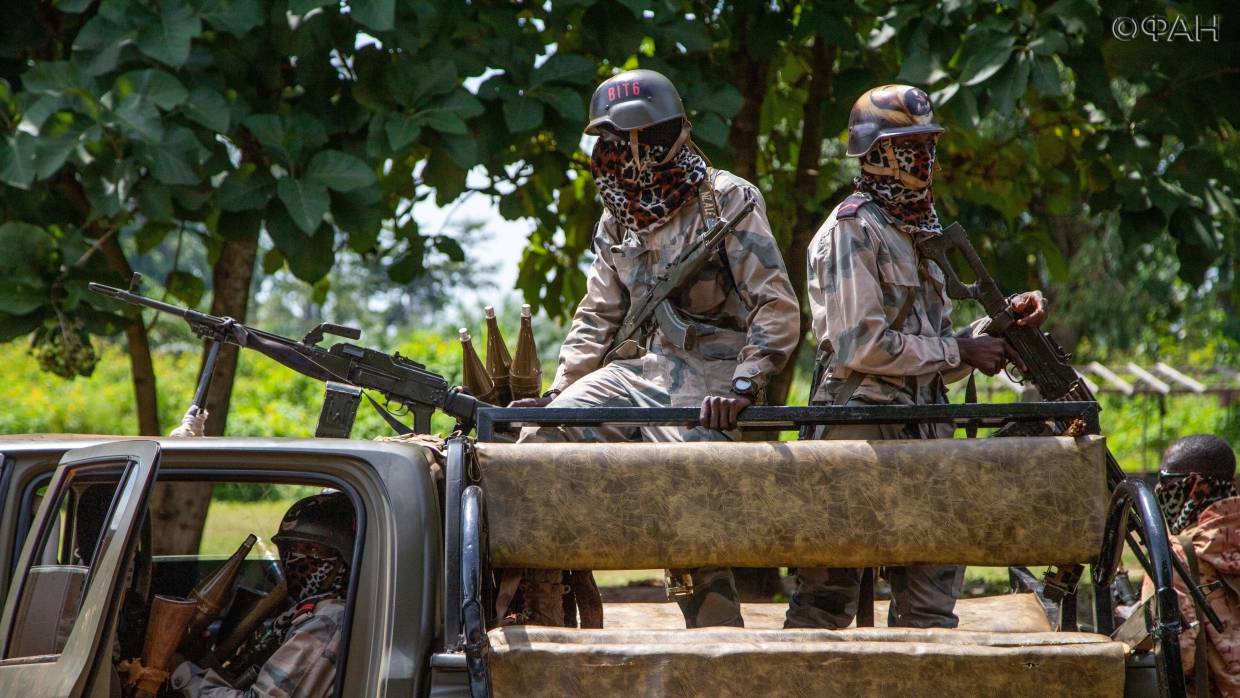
(522, 113)
(402, 129)
(17, 160)
(273, 261)
(97, 48)
(1045, 76)
(338, 170)
(53, 78)
(989, 58)
(411, 84)
(451, 248)
(566, 101)
(444, 122)
(239, 225)
(724, 100)
(1010, 87)
(167, 39)
(379, 15)
(185, 286)
(306, 202)
(162, 89)
(52, 151)
(207, 108)
(151, 235)
(154, 201)
(463, 150)
(139, 119)
(237, 17)
(239, 192)
(173, 160)
(464, 104)
(565, 67)
(362, 221)
(309, 256)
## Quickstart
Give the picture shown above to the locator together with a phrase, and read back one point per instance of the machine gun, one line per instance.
(655, 307)
(1046, 366)
(346, 368)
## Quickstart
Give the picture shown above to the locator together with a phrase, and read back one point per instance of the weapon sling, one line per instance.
(1201, 669)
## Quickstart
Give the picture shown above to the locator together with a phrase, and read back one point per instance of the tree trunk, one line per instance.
(140, 365)
(179, 509)
(808, 212)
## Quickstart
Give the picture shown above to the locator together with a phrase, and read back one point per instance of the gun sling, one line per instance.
(1201, 670)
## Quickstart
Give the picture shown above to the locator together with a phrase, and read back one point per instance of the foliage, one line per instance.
(310, 120)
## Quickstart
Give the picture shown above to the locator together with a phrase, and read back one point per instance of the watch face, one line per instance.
(742, 385)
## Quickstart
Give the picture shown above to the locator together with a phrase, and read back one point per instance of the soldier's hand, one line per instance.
(532, 401)
(720, 411)
(987, 354)
(1030, 308)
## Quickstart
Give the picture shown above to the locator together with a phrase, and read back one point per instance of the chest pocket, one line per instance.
(632, 266)
(900, 276)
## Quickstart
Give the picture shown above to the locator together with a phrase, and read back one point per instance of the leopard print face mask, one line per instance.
(644, 198)
(1183, 498)
(911, 207)
(309, 576)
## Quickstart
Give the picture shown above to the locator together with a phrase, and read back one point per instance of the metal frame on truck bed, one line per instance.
(1153, 659)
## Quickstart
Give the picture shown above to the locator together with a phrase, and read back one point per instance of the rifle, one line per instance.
(657, 308)
(1046, 366)
(398, 378)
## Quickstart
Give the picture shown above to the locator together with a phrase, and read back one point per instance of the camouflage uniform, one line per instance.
(756, 330)
(304, 666)
(1215, 539)
(861, 270)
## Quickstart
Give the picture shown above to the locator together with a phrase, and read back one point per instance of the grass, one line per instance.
(228, 523)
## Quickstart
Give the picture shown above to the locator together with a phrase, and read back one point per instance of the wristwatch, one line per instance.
(745, 387)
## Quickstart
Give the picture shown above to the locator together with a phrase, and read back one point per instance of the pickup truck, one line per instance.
(80, 560)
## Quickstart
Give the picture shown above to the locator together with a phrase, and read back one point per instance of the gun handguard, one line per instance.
(266, 607)
(684, 268)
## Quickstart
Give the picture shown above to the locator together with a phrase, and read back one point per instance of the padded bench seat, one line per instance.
(530, 660)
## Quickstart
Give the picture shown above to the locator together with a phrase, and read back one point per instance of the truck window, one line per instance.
(60, 573)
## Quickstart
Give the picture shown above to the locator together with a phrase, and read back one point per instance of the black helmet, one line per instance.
(325, 519)
(890, 110)
(632, 100)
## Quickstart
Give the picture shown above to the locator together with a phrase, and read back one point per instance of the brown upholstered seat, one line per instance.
(527, 661)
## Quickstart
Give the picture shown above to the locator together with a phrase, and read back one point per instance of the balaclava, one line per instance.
(1182, 498)
(896, 174)
(639, 183)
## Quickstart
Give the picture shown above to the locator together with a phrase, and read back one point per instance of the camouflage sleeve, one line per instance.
(973, 329)
(599, 314)
(859, 312)
(305, 665)
(774, 321)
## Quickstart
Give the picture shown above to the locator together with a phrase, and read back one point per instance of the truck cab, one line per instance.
(82, 555)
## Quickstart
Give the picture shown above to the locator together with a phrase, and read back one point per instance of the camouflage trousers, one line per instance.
(922, 596)
(653, 380)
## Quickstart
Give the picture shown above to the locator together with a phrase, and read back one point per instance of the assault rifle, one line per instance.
(1046, 366)
(399, 379)
(655, 307)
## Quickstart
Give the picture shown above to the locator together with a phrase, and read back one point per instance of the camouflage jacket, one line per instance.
(303, 667)
(1216, 539)
(861, 270)
(757, 324)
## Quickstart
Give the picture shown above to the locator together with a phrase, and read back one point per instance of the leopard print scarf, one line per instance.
(911, 209)
(310, 580)
(642, 200)
(1181, 510)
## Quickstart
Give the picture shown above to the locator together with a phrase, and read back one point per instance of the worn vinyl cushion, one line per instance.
(1019, 500)
(864, 662)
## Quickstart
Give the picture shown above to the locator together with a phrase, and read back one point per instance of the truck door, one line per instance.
(63, 603)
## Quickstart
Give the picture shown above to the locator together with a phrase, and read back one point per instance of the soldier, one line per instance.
(1197, 494)
(657, 192)
(882, 320)
(296, 656)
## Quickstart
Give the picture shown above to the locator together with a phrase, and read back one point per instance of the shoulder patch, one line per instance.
(850, 206)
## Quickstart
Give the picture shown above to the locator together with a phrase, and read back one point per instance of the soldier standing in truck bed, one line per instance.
(882, 319)
(658, 192)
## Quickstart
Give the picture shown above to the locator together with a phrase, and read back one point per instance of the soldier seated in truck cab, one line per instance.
(296, 655)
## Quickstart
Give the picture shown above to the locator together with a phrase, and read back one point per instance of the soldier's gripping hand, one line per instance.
(988, 354)
(536, 401)
(720, 411)
(1030, 308)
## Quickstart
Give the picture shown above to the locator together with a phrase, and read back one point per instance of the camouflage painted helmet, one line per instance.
(890, 110)
(632, 100)
(325, 519)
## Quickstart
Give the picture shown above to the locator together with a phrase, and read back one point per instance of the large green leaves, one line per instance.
(339, 171)
(167, 39)
(306, 202)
